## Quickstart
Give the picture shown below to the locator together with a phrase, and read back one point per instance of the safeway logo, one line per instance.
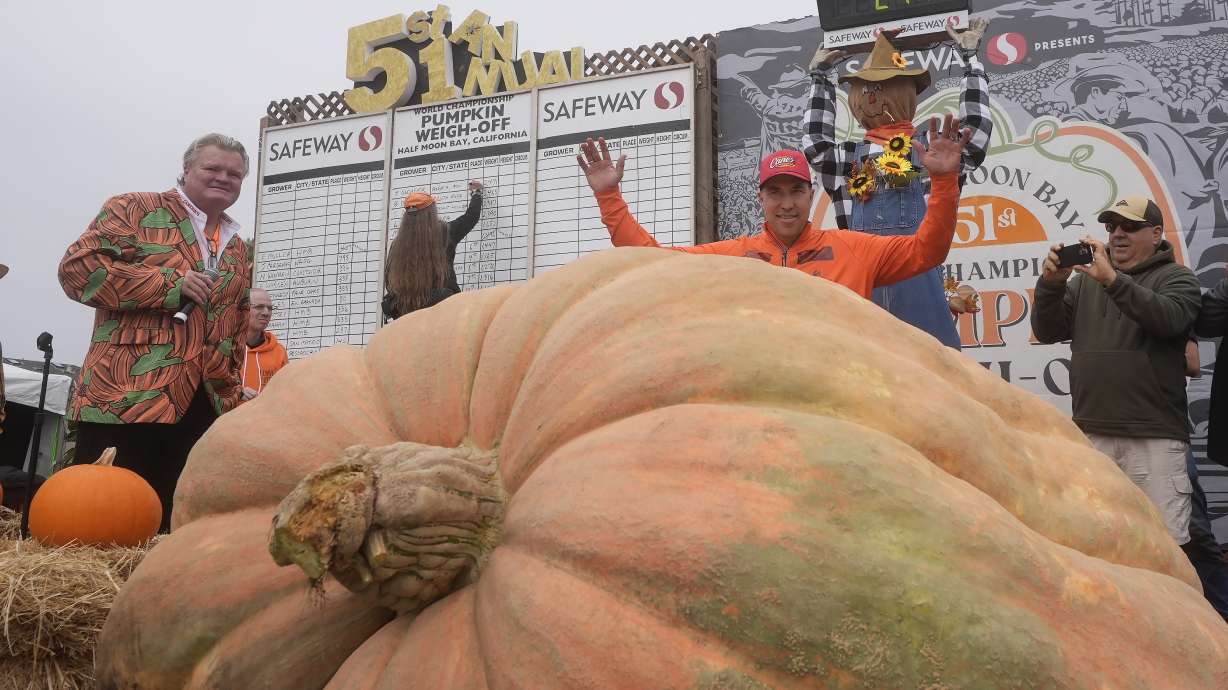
(1007, 49)
(669, 95)
(370, 138)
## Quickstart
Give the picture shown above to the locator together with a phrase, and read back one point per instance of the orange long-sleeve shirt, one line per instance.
(857, 260)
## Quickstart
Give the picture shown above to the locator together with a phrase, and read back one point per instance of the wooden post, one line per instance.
(704, 203)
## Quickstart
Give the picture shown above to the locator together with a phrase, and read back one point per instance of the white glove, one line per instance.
(825, 59)
(969, 40)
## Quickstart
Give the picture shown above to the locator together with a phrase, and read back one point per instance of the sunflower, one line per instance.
(899, 145)
(898, 60)
(861, 184)
(893, 165)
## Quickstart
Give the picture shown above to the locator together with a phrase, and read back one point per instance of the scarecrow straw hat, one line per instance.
(886, 63)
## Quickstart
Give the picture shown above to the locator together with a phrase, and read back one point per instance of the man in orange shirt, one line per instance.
(858, 261)
(264, 356)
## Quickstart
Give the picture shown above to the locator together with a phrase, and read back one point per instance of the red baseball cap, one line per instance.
(786, 162)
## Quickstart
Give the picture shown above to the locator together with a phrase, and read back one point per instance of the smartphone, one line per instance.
(1077, 254)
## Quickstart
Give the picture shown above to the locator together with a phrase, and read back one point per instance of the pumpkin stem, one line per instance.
(415, 520)
(107, 457)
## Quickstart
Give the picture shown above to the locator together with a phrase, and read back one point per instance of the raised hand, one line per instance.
(602, 171)
(825, 59)
(1100, 269)
(945, 148)
(969, 39)
(1050, 273)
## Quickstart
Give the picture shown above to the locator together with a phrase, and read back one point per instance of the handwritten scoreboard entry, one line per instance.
(648, 117)
(439, 148)
(331, 192)
(319, 242)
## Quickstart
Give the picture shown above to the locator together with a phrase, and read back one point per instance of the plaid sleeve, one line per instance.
(974, 113)
(831, 161)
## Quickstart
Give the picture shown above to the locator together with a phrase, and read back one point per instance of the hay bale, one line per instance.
(10, 525)
(53, 602)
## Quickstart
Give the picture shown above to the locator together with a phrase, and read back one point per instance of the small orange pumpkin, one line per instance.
(95, 504)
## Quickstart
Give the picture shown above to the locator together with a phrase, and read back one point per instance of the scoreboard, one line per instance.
(331, 191)
(848, 14)
(855, 23)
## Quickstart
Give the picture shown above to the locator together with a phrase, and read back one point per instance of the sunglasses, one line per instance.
(1130, 226)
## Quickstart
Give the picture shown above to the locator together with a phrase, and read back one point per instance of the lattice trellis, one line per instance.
(326, 105)
(318, 107)
(647, 57)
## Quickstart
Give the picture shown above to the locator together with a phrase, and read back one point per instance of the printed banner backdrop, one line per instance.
(1091, 101)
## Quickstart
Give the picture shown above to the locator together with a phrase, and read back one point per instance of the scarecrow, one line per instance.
(878, 185)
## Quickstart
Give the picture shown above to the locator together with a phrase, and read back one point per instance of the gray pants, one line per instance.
(1157, 466)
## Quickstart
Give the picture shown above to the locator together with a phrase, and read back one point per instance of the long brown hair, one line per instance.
(417, 264)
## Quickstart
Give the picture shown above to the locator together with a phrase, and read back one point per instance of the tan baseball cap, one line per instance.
(1138, 208)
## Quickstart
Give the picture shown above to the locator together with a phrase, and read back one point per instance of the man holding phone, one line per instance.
(1127, 314)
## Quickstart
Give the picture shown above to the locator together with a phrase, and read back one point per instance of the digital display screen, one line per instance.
(847, 14)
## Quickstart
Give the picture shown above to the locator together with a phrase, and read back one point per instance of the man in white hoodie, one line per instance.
(265, 356)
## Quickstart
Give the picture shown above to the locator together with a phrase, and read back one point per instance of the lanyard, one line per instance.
(214, 239)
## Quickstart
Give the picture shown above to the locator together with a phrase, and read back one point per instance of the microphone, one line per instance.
(181, 316)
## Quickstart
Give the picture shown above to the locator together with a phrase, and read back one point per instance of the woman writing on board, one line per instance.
(418, 272)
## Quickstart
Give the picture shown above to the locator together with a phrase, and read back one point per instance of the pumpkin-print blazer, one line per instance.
(141, 365)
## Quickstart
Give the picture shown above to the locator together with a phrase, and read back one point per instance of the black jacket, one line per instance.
(1127, 366)
(1213, 323)
(454, 234)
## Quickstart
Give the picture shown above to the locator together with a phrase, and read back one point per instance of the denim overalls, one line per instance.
(919, 300)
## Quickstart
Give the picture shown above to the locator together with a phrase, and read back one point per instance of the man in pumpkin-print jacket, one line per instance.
(149, 386)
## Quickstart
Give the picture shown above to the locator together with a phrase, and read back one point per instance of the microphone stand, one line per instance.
(44, 344)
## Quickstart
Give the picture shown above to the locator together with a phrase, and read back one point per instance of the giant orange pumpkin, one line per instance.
(97, 504)
(657, 470)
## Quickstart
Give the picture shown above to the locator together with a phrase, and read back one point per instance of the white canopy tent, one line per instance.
(21, 387)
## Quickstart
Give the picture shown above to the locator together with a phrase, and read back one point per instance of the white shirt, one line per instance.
(199, 223)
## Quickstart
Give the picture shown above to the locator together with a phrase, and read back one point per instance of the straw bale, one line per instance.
(53, 602)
